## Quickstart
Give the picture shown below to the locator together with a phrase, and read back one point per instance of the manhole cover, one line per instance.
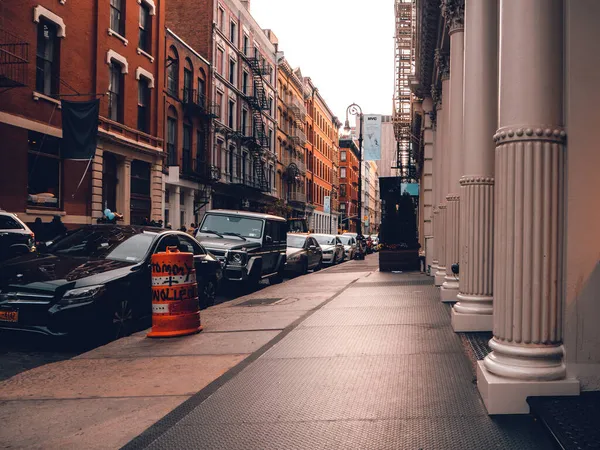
(259, 301)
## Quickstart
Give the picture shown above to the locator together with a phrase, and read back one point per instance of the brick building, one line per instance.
(348, 187)
(188, 117)
(243, 84)
(323, 159)
(109, 50)
(291, 138)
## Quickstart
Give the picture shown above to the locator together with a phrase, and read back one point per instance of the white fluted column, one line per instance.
(473, 312)
(444, 176)
(437, 176)
(453, 12)
(427, 200)
(527, 355)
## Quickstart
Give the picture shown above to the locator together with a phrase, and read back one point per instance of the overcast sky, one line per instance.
(345, 46)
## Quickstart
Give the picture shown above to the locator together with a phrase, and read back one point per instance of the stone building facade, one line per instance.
(508, 144)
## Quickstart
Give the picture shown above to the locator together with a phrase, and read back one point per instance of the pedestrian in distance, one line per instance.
(192, 229)
(56, 228)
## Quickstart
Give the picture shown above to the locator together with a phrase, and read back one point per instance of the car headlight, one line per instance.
(328, 252)
(294, 258)
(237, 258)
(81, 295)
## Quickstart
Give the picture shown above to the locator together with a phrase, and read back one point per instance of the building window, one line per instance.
(143, 106)
(245, 45)
(173, 72)
(44, 170)
(231, 113)
(47, 61)
(232, 71)
(342, 172)
(115, 89)
(233, 33)
(245, 82)
(117, 17)
(219, 101)
(187, 148)
(220, 61)
(221, 19)
(200, 146)
(244, 129)
(145, 28)
(171, 141)
(188, 82)
(201, 91)
(342, 190)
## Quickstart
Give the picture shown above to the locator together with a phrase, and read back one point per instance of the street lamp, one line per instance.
(356, 110)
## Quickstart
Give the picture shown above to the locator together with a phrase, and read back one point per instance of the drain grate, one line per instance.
(479, 343)
(259, 301)
(573, 421)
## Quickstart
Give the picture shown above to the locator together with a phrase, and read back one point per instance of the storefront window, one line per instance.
(43, 170)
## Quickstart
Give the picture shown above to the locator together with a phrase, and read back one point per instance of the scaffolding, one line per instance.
(404, 58)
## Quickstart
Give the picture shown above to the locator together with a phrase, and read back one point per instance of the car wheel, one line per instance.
(208, 294)
(320, 265)
(304, 267)
(122, 319)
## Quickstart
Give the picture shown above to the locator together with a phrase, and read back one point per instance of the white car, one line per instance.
(349, 246)
(333, 249)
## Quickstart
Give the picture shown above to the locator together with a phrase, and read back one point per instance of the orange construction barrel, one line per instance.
(175, 307)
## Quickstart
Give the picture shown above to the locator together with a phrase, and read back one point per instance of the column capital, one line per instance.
(467, 180)
(453, 12)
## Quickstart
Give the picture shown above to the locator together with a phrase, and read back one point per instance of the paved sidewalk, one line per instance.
(375, 366)
(106, 397)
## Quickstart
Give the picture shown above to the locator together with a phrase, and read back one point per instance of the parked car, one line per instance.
(303, 254)
(251, 246)
(349, 244)
(96, 279)
(333, 249)
(15, 237)
(375, 240)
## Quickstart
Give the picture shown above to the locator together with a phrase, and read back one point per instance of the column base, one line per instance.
(434, 269)
(463, 323)
(448, 295)
(509, 396)
(440, 276)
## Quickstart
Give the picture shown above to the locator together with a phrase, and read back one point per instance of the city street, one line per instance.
(347, 357)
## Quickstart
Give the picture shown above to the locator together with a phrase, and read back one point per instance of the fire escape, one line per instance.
(195, 104)
(14, 60)
(259, 143)
(404, 65)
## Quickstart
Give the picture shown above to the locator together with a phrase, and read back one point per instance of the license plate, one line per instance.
(9, 316)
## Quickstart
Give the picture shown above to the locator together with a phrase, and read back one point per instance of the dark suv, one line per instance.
(251, 246)
(15, 237)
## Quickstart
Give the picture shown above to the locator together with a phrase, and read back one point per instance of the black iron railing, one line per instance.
(14, 60)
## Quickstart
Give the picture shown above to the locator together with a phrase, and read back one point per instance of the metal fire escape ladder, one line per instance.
(404, 67)
(259, 143)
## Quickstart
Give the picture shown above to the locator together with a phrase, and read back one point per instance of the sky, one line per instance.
(345, 46)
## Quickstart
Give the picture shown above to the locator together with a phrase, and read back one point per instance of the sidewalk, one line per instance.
(106, 397)
(344, 358)
(376, 366)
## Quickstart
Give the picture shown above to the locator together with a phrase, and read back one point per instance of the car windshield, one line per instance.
(235, 225)
(325, 240)
(133, 249)
(345, 239)
(295, 241)
(101, 243)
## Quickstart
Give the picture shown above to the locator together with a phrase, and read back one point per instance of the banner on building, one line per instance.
(80, 129)
(410, 188)
(372, 137)
(327, 204)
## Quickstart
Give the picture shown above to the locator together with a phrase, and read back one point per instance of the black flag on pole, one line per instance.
(80, 129)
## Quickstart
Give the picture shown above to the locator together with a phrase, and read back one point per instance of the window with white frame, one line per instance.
(47, 70)
(117, 16)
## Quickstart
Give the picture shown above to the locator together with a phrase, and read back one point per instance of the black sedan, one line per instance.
(94, 281)
(303, 253)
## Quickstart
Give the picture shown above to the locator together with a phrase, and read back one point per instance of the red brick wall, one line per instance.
(192, 22)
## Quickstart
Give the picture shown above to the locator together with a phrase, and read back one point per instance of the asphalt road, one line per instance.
(24, 351)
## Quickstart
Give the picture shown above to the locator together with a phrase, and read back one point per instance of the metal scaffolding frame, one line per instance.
(404, 69)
